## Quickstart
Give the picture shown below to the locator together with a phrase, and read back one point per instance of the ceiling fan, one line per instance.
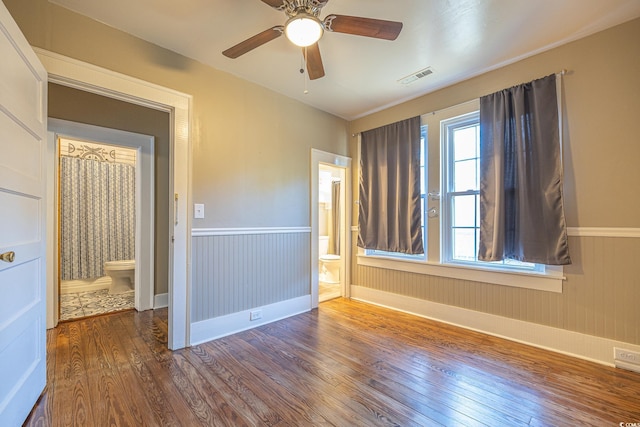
(304, 28)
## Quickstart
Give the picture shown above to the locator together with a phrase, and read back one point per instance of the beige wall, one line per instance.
(251, 146)
(602, 104)
(84, 107)
(601, 155)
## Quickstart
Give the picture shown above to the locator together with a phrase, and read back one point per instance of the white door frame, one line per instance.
(90, 78)
(335, 160)
(144, 201)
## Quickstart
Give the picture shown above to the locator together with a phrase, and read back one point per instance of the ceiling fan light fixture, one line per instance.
(303, 29)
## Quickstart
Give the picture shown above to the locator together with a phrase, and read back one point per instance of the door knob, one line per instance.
(8, 256)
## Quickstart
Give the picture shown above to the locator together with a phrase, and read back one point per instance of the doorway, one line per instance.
(331, 229)
(82, 283)
(330, 232)
(73, 73)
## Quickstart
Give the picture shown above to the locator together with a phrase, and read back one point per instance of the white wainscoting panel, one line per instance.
(234, 270)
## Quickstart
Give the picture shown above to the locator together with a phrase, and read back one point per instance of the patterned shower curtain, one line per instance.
(97, 215)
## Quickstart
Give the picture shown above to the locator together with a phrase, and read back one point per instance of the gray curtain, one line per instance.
(390, 211)
(335, 218)
(521, 206)
(97, 216)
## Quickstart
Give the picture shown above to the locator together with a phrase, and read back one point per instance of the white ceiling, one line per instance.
(457, 38)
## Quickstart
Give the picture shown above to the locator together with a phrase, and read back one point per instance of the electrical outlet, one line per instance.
(255, 315)
(627, 356)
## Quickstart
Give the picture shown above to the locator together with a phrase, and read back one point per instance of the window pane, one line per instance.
(464, 247)
(465, 175)
(465, 143)
(464, 211)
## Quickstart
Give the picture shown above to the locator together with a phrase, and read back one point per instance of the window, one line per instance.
(450, 163)
(461, 194)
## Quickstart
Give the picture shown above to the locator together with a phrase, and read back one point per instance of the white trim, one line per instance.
(161, 301)
(550, 281)
(51, 290)
(319, 157)
(588, 347)
(627, 366)
(199, 232)
(81, 75)
(218, 327)
(603, 232)
(144, 196)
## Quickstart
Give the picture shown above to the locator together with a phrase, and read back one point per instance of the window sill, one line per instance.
(550, 280)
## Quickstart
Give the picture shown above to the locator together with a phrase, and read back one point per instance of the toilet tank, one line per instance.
(323, 245)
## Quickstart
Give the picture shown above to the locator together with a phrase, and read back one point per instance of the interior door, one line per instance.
(23, 95)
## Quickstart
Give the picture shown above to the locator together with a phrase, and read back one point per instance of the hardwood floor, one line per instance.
(347, 363)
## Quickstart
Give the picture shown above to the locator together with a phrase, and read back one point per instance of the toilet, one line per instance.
(122, 274)
(329, 267)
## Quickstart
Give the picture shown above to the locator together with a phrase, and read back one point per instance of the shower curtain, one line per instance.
(335, 218)
(97, 216)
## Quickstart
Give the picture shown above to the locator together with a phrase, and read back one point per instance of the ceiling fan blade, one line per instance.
(314, 61)
(276, 4)
(254, 42)
(377, 28)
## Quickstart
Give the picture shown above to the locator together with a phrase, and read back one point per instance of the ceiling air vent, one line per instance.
(413, 77)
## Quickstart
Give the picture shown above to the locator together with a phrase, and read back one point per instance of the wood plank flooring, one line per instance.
(345, 364)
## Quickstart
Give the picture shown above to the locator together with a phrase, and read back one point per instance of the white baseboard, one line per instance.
(84, 285)
(588, 347)
(218, 327)
(160, 301)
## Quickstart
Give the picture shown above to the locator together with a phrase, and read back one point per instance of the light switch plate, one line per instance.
(198, 210)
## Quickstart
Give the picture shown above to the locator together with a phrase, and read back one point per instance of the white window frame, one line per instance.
(435, 263)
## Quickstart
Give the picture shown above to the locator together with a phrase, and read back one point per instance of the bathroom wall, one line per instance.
(324, 201)
(327, 176)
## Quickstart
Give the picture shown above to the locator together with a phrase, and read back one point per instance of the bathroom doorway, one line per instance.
(105, 219)
(330, 232)
(331, 237)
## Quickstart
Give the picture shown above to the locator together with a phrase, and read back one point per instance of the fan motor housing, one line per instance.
(311, 7)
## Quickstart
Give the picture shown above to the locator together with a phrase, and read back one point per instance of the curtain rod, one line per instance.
(562, 72)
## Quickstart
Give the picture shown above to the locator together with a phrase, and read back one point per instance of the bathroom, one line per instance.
(331, 229)
(97, 221)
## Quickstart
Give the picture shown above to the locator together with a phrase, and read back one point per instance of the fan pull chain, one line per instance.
(302, 70)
